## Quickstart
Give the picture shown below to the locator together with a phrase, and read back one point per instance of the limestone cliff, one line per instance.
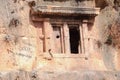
(18, 45)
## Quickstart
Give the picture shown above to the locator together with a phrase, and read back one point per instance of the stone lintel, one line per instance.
(66, 10)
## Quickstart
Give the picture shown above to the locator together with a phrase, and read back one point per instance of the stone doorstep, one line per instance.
(62, 55)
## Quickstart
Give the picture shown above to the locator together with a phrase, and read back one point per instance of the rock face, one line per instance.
(84, 75)
(21, 39)
(15, 30)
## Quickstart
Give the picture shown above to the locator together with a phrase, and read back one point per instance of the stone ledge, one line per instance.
(64, 55)
(63, 75)
(66, 10)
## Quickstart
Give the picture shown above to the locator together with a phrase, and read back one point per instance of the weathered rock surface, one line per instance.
(55, 75)
(18, 46)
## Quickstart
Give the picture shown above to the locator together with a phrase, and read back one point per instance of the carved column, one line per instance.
(81, 43)
(47, 34)
(66, 38)
(85, 37)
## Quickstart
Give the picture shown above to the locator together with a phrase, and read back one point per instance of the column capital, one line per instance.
(85, 21)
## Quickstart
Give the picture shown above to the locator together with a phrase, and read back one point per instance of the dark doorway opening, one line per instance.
(74, 39)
